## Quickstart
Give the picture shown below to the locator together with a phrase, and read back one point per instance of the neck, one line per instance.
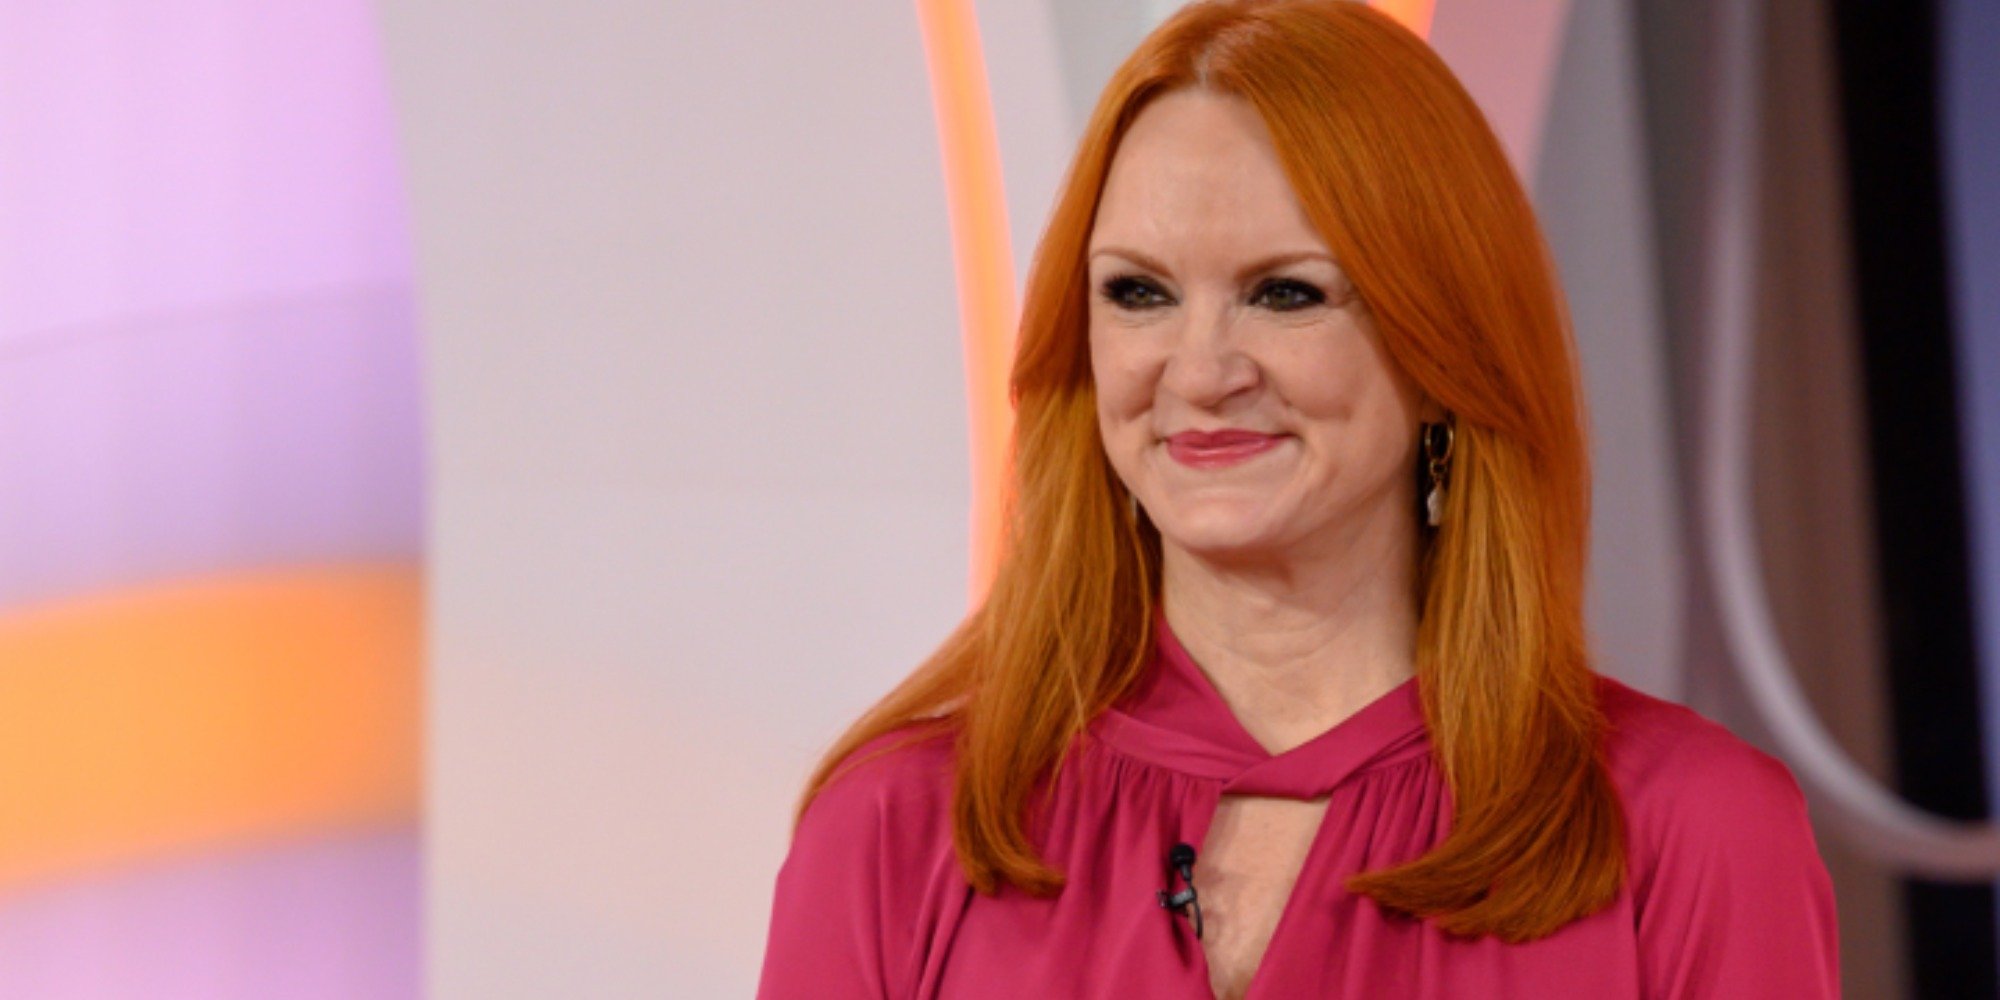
(1295, 645)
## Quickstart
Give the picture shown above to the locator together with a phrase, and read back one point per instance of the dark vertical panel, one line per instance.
(1888, 79)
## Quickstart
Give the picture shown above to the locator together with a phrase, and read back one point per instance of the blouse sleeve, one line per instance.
(1736, 902)
(851, 897)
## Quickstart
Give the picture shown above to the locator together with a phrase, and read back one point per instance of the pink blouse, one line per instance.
(1726, 895)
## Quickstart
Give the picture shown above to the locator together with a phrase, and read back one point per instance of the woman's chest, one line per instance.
(1273, 882)
(1246, 872)
(1007, 948)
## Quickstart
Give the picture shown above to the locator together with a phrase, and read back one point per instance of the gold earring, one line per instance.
(1436, 441)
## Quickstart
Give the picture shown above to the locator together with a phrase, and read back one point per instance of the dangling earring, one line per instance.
(1436, 441)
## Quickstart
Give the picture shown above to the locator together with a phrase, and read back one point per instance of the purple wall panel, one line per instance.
(327, 918)
(1969, 136)
(161, 157)
(208, 356)
(255, 435)
(208, 363)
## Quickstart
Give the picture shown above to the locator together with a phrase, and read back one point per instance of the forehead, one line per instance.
(1199, 168)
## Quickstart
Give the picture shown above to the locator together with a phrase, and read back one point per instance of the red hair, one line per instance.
(1408, 186)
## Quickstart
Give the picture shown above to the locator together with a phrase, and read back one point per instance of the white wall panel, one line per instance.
(699, 472)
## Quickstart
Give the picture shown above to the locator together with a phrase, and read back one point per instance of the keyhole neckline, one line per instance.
(1174, 718)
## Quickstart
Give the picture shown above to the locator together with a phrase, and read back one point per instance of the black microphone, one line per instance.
(1181, 860)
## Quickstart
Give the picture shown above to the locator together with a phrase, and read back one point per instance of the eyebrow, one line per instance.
(1261, 266)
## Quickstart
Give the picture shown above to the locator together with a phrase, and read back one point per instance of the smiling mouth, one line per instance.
(1219, 449)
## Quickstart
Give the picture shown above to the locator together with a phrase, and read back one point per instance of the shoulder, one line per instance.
(881, 825)
(869, 876)
(1704, 809)
(1728, 890)
(1672, 765)
(898, 784)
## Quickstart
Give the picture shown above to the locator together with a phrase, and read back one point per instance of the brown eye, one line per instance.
(1287, 295)
(1134, 293)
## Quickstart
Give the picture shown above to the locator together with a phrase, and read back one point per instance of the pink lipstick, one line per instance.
(1219, 449)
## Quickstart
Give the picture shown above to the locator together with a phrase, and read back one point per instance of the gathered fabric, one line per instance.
(1726, 896)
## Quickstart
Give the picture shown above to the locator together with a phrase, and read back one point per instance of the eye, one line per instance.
(1134, 293)
(1287, 295)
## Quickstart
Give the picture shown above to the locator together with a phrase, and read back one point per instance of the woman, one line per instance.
(1291, 607)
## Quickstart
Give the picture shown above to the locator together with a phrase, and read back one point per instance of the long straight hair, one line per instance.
(1406, 183)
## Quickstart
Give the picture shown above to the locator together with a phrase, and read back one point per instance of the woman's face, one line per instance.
(1243, 394)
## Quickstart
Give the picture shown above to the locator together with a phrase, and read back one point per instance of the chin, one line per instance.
(1218, 533)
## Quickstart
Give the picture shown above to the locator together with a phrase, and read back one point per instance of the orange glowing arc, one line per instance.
(983, 257)
(982, 252)
(1412, 14)
(181, 716)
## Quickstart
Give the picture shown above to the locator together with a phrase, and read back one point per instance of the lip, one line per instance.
(1219, 449)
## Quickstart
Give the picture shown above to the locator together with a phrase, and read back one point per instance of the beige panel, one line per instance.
(1813, 513)
(1590, 191)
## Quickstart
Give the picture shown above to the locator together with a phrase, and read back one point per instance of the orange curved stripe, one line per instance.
(1413, 14)
(142, 724)
(977, 205)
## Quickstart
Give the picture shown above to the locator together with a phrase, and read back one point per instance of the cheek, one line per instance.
(1124, 387)
(1320, 382)
(1356, 412)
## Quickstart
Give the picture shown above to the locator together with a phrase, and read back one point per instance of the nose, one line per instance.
(1207, 366)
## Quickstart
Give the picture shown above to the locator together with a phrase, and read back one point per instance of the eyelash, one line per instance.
(1118, 291)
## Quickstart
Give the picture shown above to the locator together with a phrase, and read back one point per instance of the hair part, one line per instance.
(1403, 178)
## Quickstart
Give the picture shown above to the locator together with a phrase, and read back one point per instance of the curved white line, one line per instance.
(1882, 824)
